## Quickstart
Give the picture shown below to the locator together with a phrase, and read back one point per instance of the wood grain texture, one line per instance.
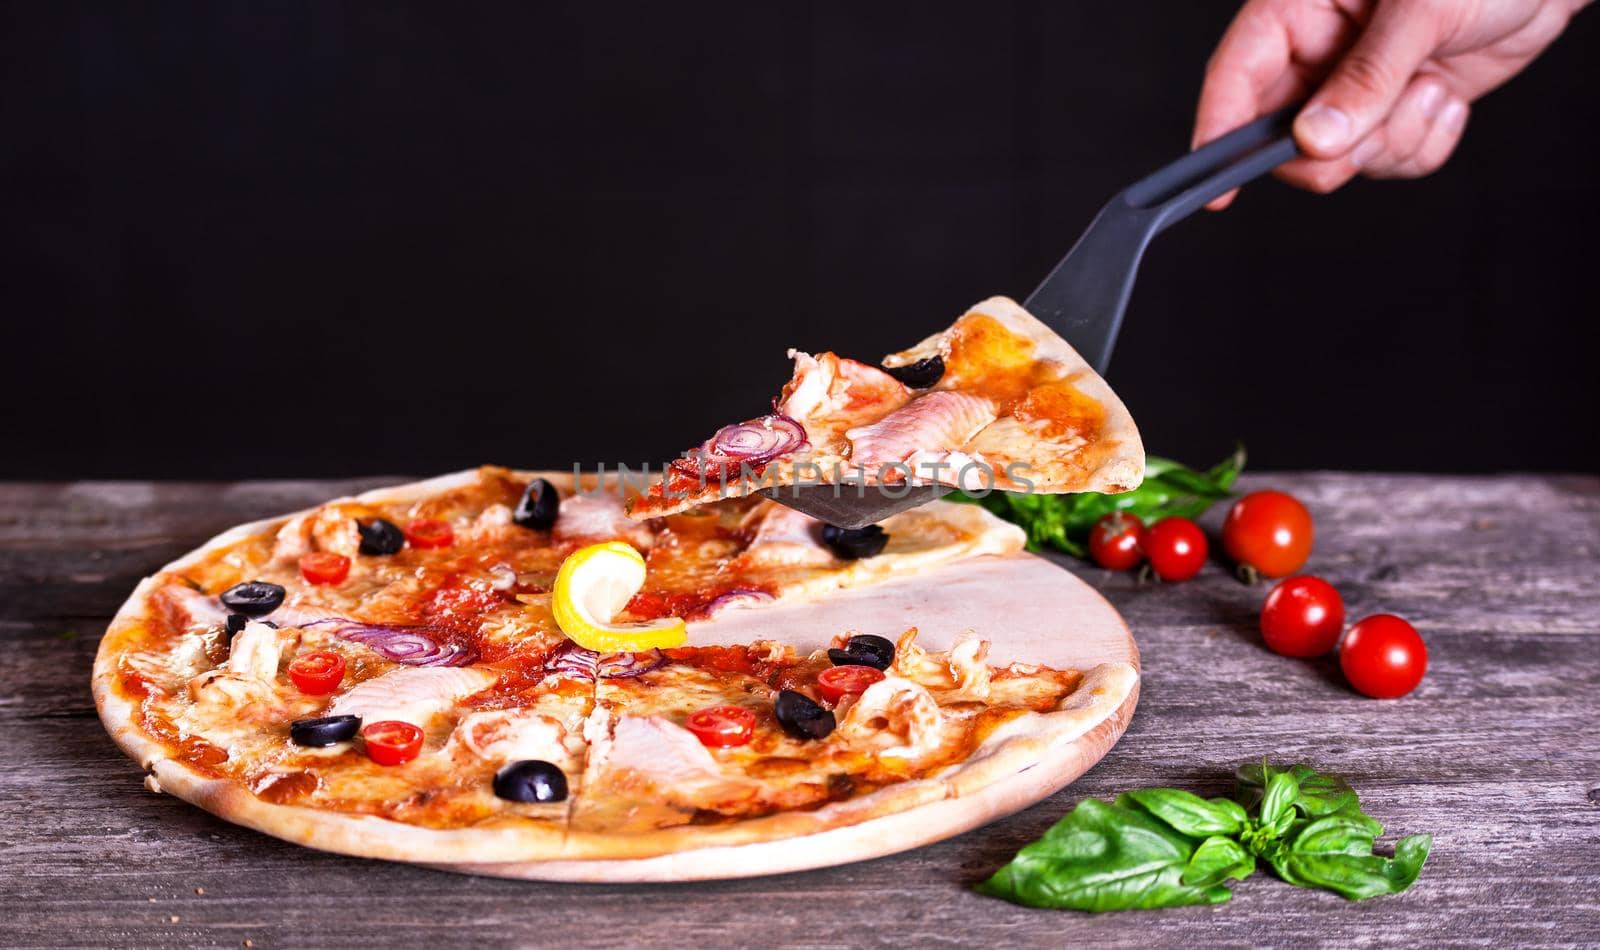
(1498, 754)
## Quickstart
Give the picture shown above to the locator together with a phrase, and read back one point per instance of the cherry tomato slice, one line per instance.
(722, 726)
(324, 567)
(837, 682)
(1383, 656)
(1176, 548)
(1268, 531)
(429, 533)
(1303, 616)
(1114, 541)
(318, 673)
(392, 742)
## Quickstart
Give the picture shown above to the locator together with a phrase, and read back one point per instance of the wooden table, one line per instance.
(1497, 754)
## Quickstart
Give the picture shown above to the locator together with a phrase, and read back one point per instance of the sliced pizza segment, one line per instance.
(819, 731)
(996, 401)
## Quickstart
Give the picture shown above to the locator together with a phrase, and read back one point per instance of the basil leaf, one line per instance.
(1063, 522)
(1320, 794)
(1217, 859)
(1277, 802)
(1103, 857)
(1335, 853)
(1188, 812)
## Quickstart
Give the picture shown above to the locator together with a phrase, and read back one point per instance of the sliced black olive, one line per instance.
(380, 537)
(802, 718)
(324, 730)
(864, 649)
(853, 543)
(539, 506)
(253, 598)
(919, 375)
(531, 780)
(236, 622)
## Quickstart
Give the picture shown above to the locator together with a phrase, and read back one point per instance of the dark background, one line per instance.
(321, 239)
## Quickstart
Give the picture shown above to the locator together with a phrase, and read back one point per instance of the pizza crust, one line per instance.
(535, 848)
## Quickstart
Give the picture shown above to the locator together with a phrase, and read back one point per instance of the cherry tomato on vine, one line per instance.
(1114, 541)
(429, 533)
(722, 726)
(392, 742)
(317, 674)
(836, 682)
(1176, 548)
(1302, 617)
(324, 567)
(1383, 656)
(1268, 532)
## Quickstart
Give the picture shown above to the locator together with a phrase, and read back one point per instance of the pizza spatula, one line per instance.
(1086, 294)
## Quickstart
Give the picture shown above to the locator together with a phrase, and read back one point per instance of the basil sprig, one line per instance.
(1063, 522)
(1163, 847)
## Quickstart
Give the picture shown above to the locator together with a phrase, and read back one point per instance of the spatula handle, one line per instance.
(1086, 294)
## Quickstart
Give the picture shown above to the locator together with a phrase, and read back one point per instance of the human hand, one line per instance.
(1392, 79)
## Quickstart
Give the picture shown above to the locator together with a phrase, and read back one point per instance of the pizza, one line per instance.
(996, 401)
(391, 676)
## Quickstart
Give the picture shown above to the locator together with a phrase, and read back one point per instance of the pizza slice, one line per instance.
(719, 744)
(998, 400)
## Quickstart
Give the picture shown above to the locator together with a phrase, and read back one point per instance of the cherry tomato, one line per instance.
(1302, 617)
(723, 726)
(429, 533)
(392, 742)
(324, 567)
(837, 682)
(317, 673)
(1383, 656)
(1269, 532)
(1176, 548)
(1114, 541)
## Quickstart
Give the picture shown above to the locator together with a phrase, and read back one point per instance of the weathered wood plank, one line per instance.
(1497, 754)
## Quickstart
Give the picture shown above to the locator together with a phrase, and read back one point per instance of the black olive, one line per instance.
(853, 543)
(253, 598)
(380, 537)
(324, 730)
(236, 622)
(802, 718)
(531, 780)
(539, 506)
(864, 649)
(919, 375)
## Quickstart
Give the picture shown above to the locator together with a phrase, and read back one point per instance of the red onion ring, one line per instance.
(409, 645)
(755, 442)
(735, 599)
(587, 664)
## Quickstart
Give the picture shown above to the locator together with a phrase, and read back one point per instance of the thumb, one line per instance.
(1368, 81)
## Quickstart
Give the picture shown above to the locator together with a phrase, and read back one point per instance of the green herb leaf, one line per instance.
(1063, 522)
(1218, 858)
(1320, 794)
(1277, 803)
(1163, 847)
(1104, 857)
(1187, 812)
(1335, 853)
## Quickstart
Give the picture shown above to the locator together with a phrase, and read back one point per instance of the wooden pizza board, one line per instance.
(1029, 609)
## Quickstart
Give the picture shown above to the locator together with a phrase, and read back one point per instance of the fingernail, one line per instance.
(1431, 98)
(1454, 114)
(1368, 150)
(1325, 128)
